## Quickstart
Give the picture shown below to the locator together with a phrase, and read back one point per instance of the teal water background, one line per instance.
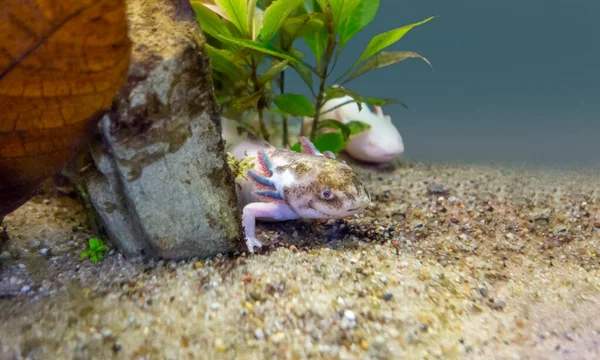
(514, 81)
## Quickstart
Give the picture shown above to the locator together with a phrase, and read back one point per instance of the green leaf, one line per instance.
(362, 15)
(247, 102)
(237, 11)
(94, 243)
(381, 101)
(296, 53)
(337, 125)
(263, 4)
(317, 42)
(304, 72)
(222, 60)
(94, 258)
(340, 11)
(383, 59)
(312, 6)
(274, 70)
(210, 22)
(303, 25)
(250, 15)
(333, 141)
(383, 40)
(275, 15)
(297, 147)
(254, 45)
(338, 92)
(84, 254)
(356, 127)
(295, 104)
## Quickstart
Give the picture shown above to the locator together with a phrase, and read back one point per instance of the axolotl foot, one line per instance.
(263, 211)
(251, 242)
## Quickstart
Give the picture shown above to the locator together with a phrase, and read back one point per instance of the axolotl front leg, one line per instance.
(272, 208)
(263, 211)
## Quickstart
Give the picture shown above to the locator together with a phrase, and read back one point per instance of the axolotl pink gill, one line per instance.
(286, 185)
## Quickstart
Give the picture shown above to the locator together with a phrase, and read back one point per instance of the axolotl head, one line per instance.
(324, 188)
(379, 144)
(317, 186)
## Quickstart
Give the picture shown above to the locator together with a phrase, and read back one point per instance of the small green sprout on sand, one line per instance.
(239, 168)
(96, 250)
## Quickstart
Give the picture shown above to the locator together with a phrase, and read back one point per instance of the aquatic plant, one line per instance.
(96, 250)
(251, 45)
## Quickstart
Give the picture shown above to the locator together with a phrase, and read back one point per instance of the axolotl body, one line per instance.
(379, 144)
(286, 185)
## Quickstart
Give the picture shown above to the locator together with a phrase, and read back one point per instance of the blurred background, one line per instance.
(513, 81)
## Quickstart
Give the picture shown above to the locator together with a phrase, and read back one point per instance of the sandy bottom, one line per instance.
(449, 262)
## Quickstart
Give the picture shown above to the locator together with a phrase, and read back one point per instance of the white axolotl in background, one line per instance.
(379, 144)
(286, 185)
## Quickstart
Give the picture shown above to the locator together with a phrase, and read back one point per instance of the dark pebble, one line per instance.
(484, 292)
(499, 305)
(387, 297)
(116, 347)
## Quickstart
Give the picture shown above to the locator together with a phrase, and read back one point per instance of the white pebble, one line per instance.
(25, 289)
(44, 251)
(259, 333)
(349, 320)
(214, 306)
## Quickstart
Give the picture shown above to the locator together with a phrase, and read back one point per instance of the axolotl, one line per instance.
(287, 185)
(379, 144)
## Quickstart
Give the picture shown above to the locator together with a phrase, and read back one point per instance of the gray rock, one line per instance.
(160, 184)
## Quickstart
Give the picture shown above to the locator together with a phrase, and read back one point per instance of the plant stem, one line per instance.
(331, 43)
(286, 139)
(261, 104)
(338, 106)
(318, 105)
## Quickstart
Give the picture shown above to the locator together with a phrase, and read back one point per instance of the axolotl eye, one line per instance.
(326, 194)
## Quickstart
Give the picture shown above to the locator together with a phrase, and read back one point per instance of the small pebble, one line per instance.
(25, 289)
(349, 320)
(387, 297)
(220, 345)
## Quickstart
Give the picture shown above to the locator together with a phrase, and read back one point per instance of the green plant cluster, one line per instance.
(251, 45)
(96, 250)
